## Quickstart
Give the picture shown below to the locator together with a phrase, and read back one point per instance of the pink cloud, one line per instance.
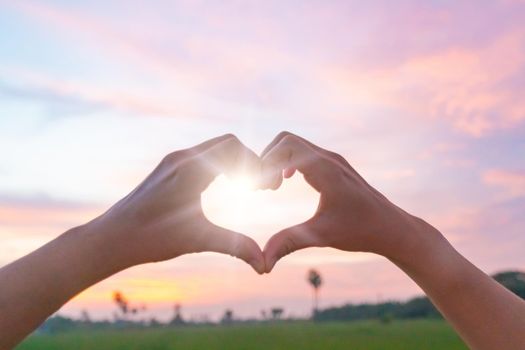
(127, 100)
(199, 56)
(465, 87)
(512, 183)
(30, 215)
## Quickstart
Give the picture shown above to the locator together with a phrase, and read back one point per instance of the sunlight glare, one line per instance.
(234, 204)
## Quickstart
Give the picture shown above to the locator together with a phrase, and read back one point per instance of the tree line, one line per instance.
(128, 315)
(419, 307)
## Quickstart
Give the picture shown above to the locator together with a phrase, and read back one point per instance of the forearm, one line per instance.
(37, 285)
(485, 314)
(160, 219)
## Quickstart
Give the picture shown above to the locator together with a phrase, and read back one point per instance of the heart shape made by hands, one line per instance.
(235, 205)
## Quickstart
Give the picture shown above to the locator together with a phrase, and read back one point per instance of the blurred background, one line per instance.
(424, 98)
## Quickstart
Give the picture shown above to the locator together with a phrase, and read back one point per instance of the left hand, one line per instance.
(163, 218)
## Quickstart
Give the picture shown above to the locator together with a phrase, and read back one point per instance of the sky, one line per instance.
(426, 99)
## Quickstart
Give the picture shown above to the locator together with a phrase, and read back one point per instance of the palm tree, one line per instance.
(314, 278)
(122, 303)
(227, 318)
(177, 317)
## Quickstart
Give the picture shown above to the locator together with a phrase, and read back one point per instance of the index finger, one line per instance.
(230, 157)
(292, 152)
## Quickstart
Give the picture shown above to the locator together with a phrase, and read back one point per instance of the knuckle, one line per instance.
(230, 138)
(231, 142)
(283, 134)
(289, 139)
(188, 165)
(331, 169)
(337, 157)
(336, 172)
(174, 157)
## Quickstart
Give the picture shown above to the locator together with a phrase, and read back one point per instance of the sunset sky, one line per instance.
(426, 99)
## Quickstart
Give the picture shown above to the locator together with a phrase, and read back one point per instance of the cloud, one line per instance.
(72, 97)
(435, 73)
(175, 86)
(59, 102)
(28, 222)
(39, 213)
(512, 183)
(385, 77)
(465, 87)
(490, 235)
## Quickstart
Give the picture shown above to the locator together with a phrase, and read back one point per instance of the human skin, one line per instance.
(353, 216)
(159, 220)
(163, 219)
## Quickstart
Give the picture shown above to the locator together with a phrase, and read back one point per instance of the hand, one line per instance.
(163, 218)
(351, 216)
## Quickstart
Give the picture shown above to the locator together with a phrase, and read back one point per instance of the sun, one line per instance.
(236, 203)
(241, 184)
(232, 192)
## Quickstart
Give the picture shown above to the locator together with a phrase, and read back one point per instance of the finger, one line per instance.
(232, 158)
(338, 158)
(221, 240)
(175, 158)
(288, 241)
(281, 136)
(288, 172)
(210, 143)
(275, 141)
(292, 153)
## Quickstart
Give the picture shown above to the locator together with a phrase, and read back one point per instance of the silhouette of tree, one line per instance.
(314, 278)
(125, 307)
(122, 303)
(177, 317)
(277, 312)
(84, 317)
(227, 318)
(264, 315)
(513, 281)
(154, 323)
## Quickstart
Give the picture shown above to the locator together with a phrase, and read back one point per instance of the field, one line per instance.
(406, 335)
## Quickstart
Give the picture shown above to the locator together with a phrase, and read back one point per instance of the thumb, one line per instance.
(221, 240)
(288, 241)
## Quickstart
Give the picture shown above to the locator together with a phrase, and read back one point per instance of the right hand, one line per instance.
(351, 215)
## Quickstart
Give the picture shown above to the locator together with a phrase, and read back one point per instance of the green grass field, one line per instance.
(406, 335)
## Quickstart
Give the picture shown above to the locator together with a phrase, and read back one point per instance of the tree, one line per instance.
(84, 317)
(264, 315)
(122, 303)
(513, 281)
(277, 312)
(177, 318)
(128, 312)
(227, 318)
(314, 278)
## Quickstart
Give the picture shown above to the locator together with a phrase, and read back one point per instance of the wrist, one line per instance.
(416, 241)
(104, 246)
(426, 252)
